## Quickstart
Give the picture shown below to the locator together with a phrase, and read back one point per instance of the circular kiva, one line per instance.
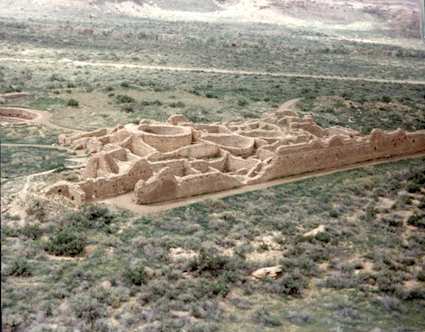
(14, 114)
(166, 138)
(236, 144)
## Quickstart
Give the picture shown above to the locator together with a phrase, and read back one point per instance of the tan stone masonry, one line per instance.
(179, 159)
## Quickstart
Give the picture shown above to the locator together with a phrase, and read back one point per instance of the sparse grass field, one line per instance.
(189, 269)
(21, 161)
(367, 264)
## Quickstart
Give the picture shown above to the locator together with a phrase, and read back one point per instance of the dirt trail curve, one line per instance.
(16, 206)
(212, 70)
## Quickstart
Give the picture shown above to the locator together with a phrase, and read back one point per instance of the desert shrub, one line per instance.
(388, 281)
(88, 308)
(417, 178)
(414, 187)
(19, 267)
(292, 284)
(203, 327)
(370, 213)
(390, 303)
(242, 102)
(178, 104)
(264, 317)
(90, 216)
(125, 84)
(32, 232)
(341, 281)
(209, 262)
(417, 220)
(416, 293)
(393, 221)
(124, 99)
(56, 77)
(151, 103)
(420, 276)
(386, 99)
(72, 103)
(36, 209)
(211, 95)
(67, 241)
(135, 274)
(207, 288)
(127, 109)
(13, 88)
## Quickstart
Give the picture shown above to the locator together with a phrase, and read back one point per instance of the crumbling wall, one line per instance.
(162, 162)
(20, 113)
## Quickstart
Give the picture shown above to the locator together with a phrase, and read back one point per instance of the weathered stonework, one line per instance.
(179, 159)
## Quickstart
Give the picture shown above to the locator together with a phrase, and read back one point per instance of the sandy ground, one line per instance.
(212, 70)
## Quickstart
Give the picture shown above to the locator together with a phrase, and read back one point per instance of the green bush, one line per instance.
(178, 104)
(136, 274)
(209, 262)
(88, 308)
(72, 103)
(155, 102)
(386, 99)
(19, 268)
(68, 241)
(90, 216)
(242, 102)
(36, 209)
(264, 317)
(414, 187)
(421, 275)
(32, 232)
(124, 99)
(417, 220)
(127, 109)
(292, 284)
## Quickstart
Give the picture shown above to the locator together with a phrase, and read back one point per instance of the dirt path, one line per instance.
(125, 201)
(212, 70)
(16, 206)
(290, 105)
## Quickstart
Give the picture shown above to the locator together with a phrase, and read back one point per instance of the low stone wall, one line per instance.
(161, 162)
(319, 155)
(236, 144)
(165, 186)
(19, 113)
(166, 138)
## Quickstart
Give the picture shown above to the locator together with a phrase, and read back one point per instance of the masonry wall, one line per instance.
(307, 159)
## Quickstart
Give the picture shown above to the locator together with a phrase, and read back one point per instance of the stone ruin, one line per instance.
(175, 160)
(16, 114)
